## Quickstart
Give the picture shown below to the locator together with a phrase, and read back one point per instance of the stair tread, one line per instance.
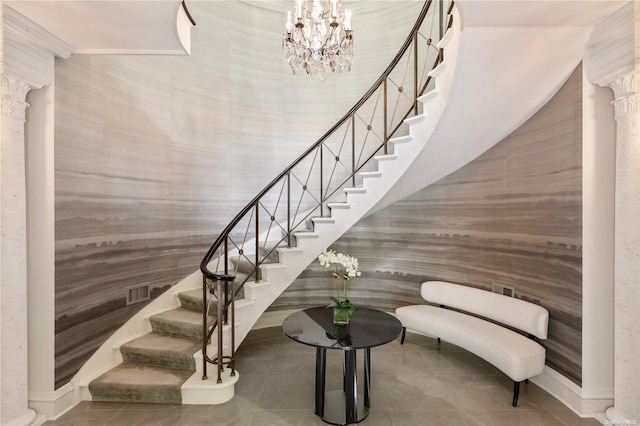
(192, 301)
(127, 374)
(139, 383)
(170, 351)
(180, 321)
(164, 343)
(180, 315)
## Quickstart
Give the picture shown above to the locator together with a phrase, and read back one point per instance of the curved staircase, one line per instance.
(155, 357)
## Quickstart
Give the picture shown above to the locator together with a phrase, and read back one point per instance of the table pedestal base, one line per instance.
(335, 408)
(367, 328)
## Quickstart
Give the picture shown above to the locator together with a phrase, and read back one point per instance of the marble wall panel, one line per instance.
(511, 217)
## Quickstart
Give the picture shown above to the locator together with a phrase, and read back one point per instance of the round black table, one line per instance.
(367, 328)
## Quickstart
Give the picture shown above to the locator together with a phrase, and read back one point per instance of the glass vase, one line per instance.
(340, 316)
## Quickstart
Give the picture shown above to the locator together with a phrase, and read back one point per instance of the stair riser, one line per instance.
(196, 304)
(140, 393)
(175, 328)
(174, 361)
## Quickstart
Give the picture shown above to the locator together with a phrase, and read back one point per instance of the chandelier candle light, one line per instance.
(319, 39)
(342, 307)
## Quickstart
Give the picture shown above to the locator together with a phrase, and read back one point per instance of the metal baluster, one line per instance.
(353, 149)
(257, 279)
(441, 19)
(232, 360)
(386, 130)
(415, 73)
(204, 328)
(289, 210)
(321, 179)
(219, 316)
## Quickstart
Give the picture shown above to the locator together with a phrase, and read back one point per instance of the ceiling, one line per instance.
(112, 26)
(162, 26)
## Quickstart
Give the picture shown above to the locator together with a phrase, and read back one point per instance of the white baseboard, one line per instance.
(583, 402)
(53, 404)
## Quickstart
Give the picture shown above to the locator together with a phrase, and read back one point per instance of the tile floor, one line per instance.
(412, 384)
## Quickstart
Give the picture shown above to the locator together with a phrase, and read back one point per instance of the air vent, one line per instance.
(504, 290)
(138, 294)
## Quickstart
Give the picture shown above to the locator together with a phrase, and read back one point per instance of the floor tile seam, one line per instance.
(182, 417)
(113, 417)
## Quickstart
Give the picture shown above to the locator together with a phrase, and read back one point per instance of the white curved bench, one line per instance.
(518, 356)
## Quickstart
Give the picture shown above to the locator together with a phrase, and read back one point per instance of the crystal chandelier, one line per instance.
(319, 40)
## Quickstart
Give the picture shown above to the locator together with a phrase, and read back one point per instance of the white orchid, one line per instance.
(330, 258)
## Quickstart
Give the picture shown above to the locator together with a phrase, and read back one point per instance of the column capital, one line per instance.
(14, 92)
(627, 94)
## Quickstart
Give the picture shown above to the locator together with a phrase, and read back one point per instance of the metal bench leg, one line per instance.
(516, 392)
(404, 333)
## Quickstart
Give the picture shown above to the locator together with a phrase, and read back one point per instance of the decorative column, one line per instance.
(613, 60)
(26, 333)
(13, 255)
(627, 251)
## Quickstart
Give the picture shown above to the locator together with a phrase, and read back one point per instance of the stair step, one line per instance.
(140, 383)
(305, 235)
(206, 392)
(428, 96)
(355, 190)
(415, 119)
(173, 352)
(371, 174)
(192, 301)
(180, 322)
(438, 69)
(324, 219)
(341, 206)
(242, 265)
(401, 139)
(386, 157)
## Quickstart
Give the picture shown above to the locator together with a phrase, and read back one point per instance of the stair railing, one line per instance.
(315, 178)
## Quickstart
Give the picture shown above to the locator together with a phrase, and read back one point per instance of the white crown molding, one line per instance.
(17, 25)
(611, 50)
(29, 50)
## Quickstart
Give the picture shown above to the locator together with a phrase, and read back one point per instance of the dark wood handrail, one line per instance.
(184, 6)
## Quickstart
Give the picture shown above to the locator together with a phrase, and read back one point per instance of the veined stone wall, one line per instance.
(154, 155)
(512, 217)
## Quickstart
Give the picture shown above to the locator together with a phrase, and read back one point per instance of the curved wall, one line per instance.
(154, 155)
(512, 217)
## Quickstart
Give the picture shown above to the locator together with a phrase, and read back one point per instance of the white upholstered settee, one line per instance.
(475, 329)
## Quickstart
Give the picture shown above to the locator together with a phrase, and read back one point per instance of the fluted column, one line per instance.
(13, 254)
(627, 251)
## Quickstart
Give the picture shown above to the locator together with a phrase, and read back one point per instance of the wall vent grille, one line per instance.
(504, 290)
(138, 294)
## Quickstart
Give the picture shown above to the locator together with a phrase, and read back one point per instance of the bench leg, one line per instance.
(404, 334)
(516, 392)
